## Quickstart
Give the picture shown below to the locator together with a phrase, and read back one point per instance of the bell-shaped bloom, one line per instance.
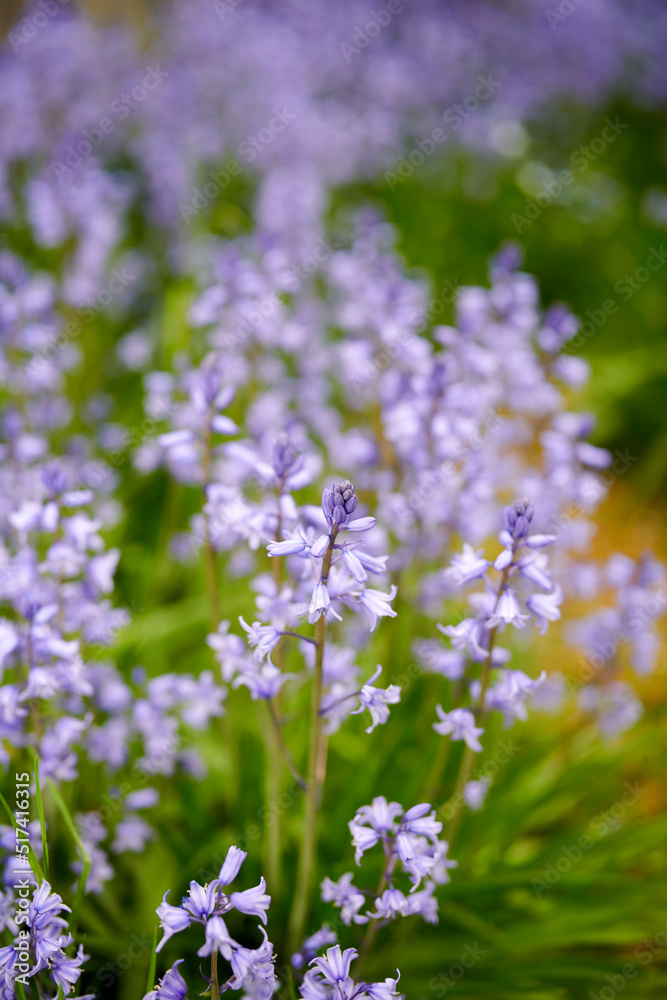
(460, 725)
(254, 902)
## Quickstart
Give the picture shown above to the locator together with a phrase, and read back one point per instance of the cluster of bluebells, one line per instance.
(622, 632)
(328, 978)
(413, 410)
(41, 931)
(524, 590)
(327, 573)
(374, 95)
(411, 846)
(252, 969)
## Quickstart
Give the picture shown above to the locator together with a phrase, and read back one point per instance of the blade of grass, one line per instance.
(150, 983)
(32, 857)
(83, 877)
(42, 822)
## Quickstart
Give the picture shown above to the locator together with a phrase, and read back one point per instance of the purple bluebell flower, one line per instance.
(376, 604)
(231, 866)
(254, 970)
(545, 607)
(312, 945)
(377, 700)
(252, 901)
(201, 900)
(392, 903)
(264, 637)
(346, 896)
(510, 693)
(217, 939)
(65, 970)
(334, 967)
(172, 920)
(517, 519)
(475, 792)
(469, 565)
(172, 985)
(460, 725)
(320, 604)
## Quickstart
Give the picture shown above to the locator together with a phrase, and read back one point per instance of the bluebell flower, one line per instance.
(201, 899)
(264, 637)
(254, 902)
(376, 604)
(231, 866)
(312, 945)
(172, 920)
(172, 985)
(320, 604)
(460, 725)
(475, 792)
(346, 896)
(392, 903)
(510, 693)
(254, 970)
(468, 566)
(507, 611)
(376, 700)
(45, 907)
(263, 680)
(334, 967)
(545, 607)
(66, 971)
(517, 519)
(217, 939)
(386, 990)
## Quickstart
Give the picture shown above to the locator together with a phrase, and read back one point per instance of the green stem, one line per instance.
(271, 822)
(374, 924)
(452, 827)
(209, 552)
(316, 760)
(215, 986)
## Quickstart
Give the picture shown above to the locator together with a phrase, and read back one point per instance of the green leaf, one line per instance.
(150, 982)
(32, 857)
(42, 823)
(83, 878)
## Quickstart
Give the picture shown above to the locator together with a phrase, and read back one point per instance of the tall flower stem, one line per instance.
(215, 986)
(316, 761)
(452, 828)
(374, 925)
(275, 746)
(210, 565)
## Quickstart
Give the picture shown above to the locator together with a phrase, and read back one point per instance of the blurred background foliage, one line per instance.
(570, 940)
